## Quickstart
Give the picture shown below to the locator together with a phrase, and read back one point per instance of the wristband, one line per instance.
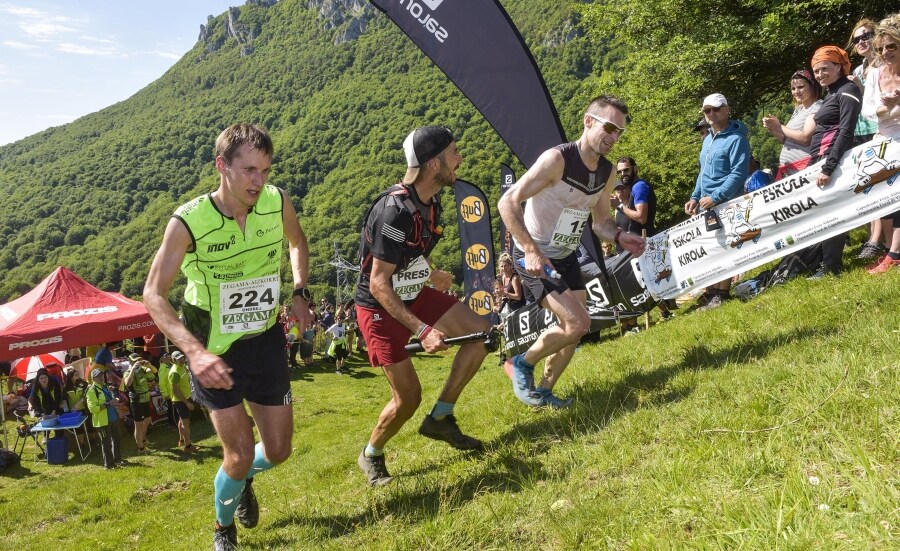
(616, 237)
(423, 330)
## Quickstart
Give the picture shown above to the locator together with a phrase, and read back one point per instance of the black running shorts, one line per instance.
(536, 288)
(140, 410)
(259, 369)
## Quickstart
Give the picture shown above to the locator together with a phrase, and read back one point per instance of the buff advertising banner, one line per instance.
(507, 179)
(479, 49)
(475, 239)
(781, 218)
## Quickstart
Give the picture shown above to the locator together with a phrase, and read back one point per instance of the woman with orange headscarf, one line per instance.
(833, 136)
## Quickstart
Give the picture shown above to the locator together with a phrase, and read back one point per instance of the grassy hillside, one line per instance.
(766, 425)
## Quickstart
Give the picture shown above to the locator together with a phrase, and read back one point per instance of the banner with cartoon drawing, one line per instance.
(773, 221)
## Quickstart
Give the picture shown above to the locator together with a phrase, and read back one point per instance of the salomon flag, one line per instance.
(476, 245)
(479, 49)
(507, 179)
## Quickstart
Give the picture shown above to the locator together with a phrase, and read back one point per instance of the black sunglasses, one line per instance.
(886, 48)
(867, 36)
(708, 110)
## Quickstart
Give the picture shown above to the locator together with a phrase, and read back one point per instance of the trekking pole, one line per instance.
(490, 339)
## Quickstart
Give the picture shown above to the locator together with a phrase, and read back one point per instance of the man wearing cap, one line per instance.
(135, 381)
(228, 244)
(724, 163)
(567, 184)
(180, 383)
(105, 418)
(400, 230)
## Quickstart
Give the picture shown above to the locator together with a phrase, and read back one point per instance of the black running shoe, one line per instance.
(374, 468)
(448, 431)
(248, 509)
(225, 538)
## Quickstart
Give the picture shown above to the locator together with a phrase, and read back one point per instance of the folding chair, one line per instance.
(23, 433)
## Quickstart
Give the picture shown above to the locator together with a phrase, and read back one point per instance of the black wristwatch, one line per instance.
(303, 293)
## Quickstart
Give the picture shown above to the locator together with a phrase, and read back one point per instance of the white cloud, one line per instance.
(69, 48)
(21, 12)
(44, 29)
(96, 39)
(162, 53)
(18, 45)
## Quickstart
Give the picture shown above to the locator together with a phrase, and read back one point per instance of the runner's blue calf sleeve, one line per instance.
(441, 410)
(260, 463)
(228, 496)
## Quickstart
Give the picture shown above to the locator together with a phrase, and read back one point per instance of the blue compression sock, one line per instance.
(228, 496)
(441, 410)
(372, 451)
(520, 359)
(260, 463)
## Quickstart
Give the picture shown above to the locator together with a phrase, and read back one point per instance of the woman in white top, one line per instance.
(882, 98)
(797, 133)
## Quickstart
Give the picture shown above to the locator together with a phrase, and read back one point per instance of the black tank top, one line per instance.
(577, 175)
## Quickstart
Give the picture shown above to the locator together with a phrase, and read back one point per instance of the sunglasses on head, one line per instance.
(867, 36)
(886, 48)
(608, 126)
(708, 110)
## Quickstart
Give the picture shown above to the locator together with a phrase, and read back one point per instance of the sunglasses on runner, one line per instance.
(867, 36)
(608, 126)
(886, 48)
(708, 110)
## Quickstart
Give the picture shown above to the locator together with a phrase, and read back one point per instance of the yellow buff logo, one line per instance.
(481, 303)
(471, 209)
(477, 256)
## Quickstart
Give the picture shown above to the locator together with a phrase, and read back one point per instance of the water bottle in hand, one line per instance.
(548, 271)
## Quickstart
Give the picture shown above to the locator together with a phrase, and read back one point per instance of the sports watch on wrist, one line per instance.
(303, 293)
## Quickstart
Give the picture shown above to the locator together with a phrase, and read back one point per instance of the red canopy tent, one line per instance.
(64, 311)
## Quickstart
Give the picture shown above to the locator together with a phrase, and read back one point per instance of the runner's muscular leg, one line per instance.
(458, 321)
(276, 428)
(557, 362)
(236, 433)
(406, 392)
(574, 323)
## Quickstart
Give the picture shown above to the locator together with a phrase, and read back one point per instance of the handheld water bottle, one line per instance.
(548, 271)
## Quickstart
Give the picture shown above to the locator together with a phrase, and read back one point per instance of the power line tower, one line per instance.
(344, 275)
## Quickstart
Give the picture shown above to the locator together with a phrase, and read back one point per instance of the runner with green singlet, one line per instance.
(228, 245)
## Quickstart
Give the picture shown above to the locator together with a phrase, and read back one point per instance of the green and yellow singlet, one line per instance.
(233, 286)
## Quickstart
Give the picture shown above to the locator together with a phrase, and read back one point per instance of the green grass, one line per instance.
(631, 466)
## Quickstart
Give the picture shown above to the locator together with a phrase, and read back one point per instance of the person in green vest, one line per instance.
(180, 386)
(229, 246)
(137, 382)
(165, 387)
(105, 418)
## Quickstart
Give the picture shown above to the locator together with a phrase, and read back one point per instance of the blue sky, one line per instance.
(60, 60)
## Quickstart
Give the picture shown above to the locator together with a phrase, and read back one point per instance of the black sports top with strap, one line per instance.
(400, 229)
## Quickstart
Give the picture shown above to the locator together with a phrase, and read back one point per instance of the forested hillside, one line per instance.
(339, 87)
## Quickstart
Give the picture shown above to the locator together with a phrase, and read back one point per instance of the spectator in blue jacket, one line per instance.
(724, 162)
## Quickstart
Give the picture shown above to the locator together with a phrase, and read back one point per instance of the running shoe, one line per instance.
(448, 431)
(190, 448)
(225, 538)
(247, 511)
(522, 379)
(884, 266)
(712, 303)
(878, 261)
(374, 468)
(549, 400)
(870, 250)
